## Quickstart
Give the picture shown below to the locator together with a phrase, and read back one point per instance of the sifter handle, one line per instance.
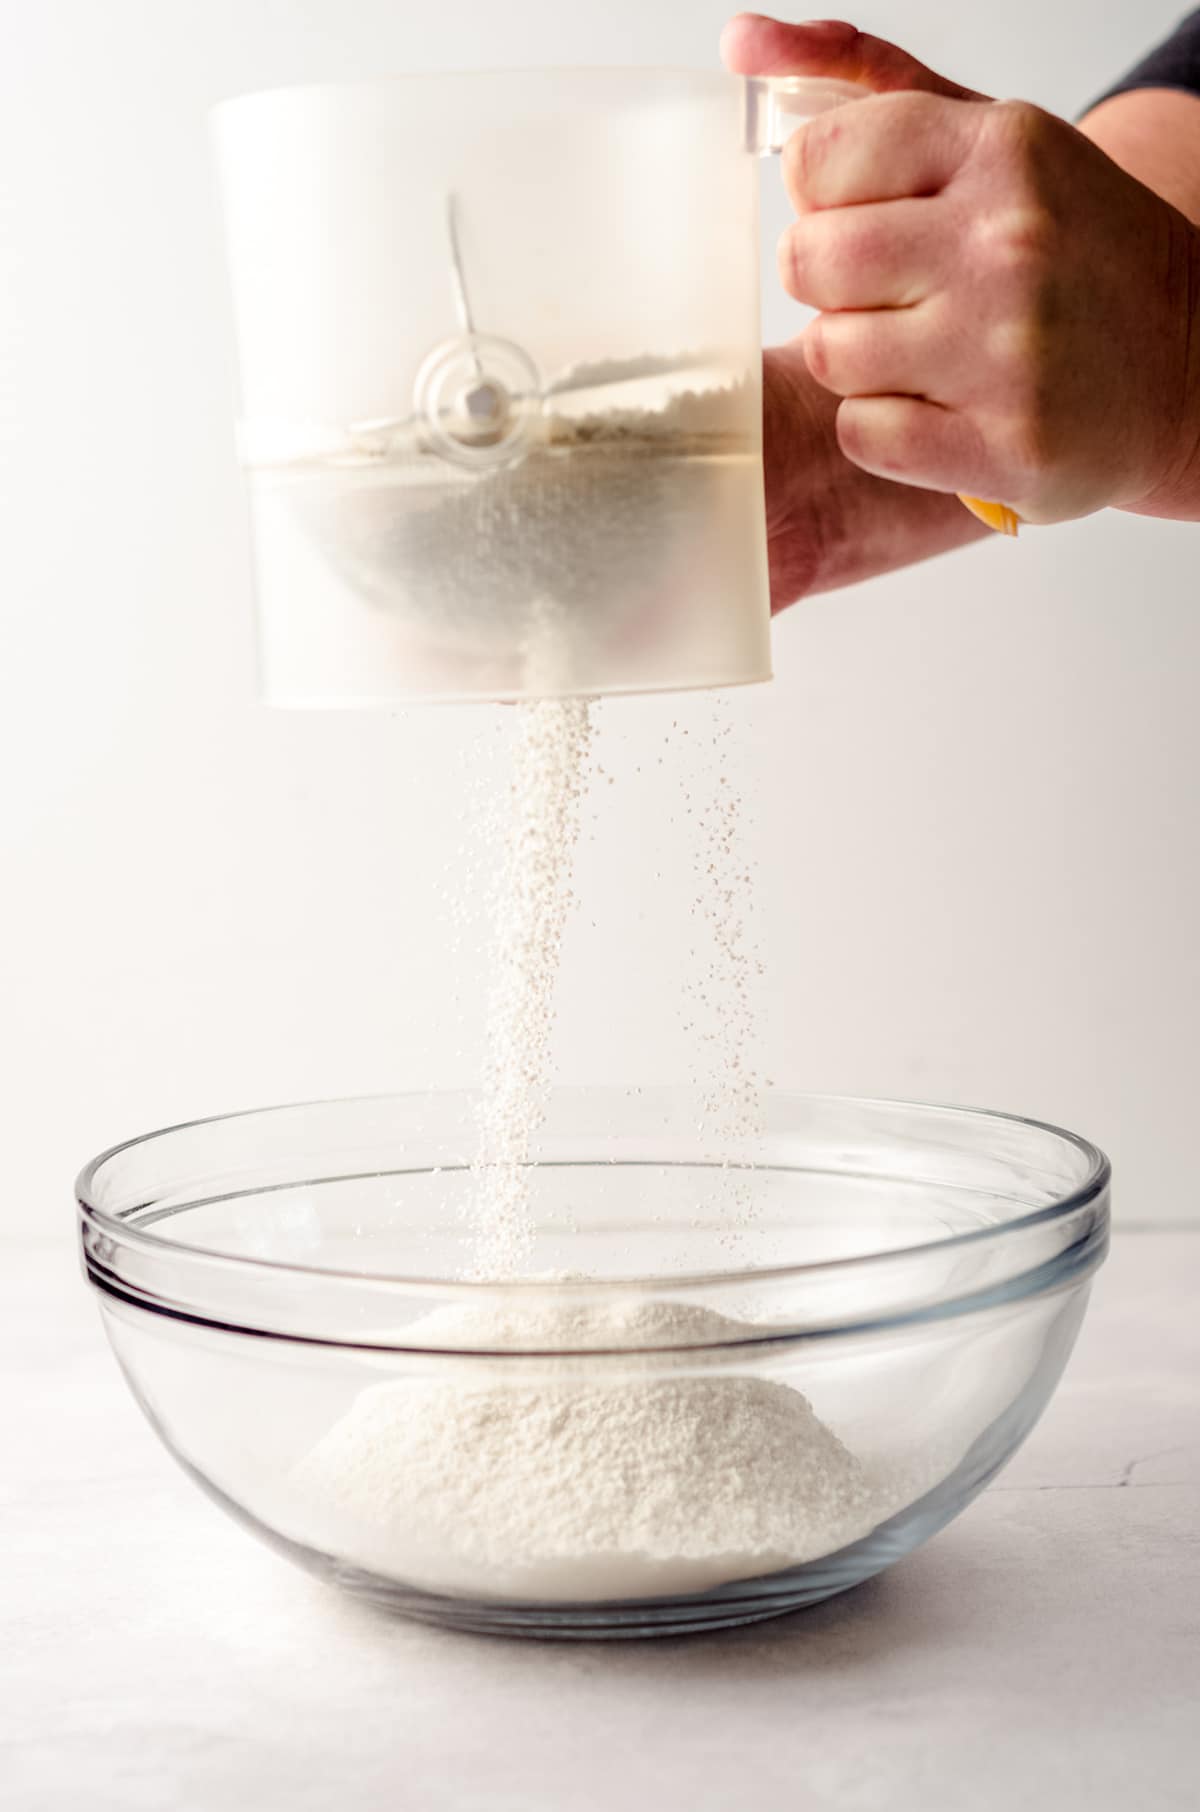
(997, 516)
(775, 107)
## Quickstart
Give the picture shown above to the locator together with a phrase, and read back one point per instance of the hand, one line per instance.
(1004, 310)
(828, 523)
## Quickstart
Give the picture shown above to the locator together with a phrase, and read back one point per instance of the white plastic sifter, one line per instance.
(499, 346)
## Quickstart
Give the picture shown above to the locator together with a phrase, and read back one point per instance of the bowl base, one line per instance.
(726, 1609)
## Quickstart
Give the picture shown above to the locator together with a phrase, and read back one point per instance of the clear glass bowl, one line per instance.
(726, 1390)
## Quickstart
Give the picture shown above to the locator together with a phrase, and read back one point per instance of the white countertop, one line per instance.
(1043, 1652)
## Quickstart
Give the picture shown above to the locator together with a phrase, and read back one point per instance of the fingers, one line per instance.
(886, 352)
(884, 149)
(886, 256)
(915, 442)
(754, 45)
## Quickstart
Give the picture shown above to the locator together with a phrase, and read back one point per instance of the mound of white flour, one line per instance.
(559, 1479)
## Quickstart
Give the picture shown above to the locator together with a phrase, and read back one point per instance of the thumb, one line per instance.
(754, 45)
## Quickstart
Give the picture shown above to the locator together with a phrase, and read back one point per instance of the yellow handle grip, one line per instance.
(998, 516)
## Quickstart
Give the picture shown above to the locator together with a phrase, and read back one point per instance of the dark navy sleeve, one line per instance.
(1174, 64)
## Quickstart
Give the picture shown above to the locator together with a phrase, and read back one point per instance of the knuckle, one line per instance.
(833, 258)
(1023, 446)
(816, 349)
(860, 245)
(1025, 149)
(1010, 350)
(1017, 240)
(1021, 349)
(808, 263)
(897, 451)
(850, 42)
(790, 262)
(885, 444)
(1020, 130)
(795, 163)
(1020, 290)
(789, 158)
(805, 153)
(849, 431)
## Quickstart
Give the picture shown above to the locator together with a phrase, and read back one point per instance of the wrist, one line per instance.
(1175, 489)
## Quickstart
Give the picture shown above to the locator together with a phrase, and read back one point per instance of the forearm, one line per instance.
(1154, 134)
(829, 524)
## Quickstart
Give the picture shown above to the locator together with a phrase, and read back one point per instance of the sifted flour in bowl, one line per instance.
(575, 1479)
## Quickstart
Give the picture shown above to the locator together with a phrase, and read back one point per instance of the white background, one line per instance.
(975, 783)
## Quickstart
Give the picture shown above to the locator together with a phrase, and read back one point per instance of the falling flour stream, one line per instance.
(530, 902)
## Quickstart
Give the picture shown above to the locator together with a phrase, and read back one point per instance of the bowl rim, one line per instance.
(1091, 1190)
